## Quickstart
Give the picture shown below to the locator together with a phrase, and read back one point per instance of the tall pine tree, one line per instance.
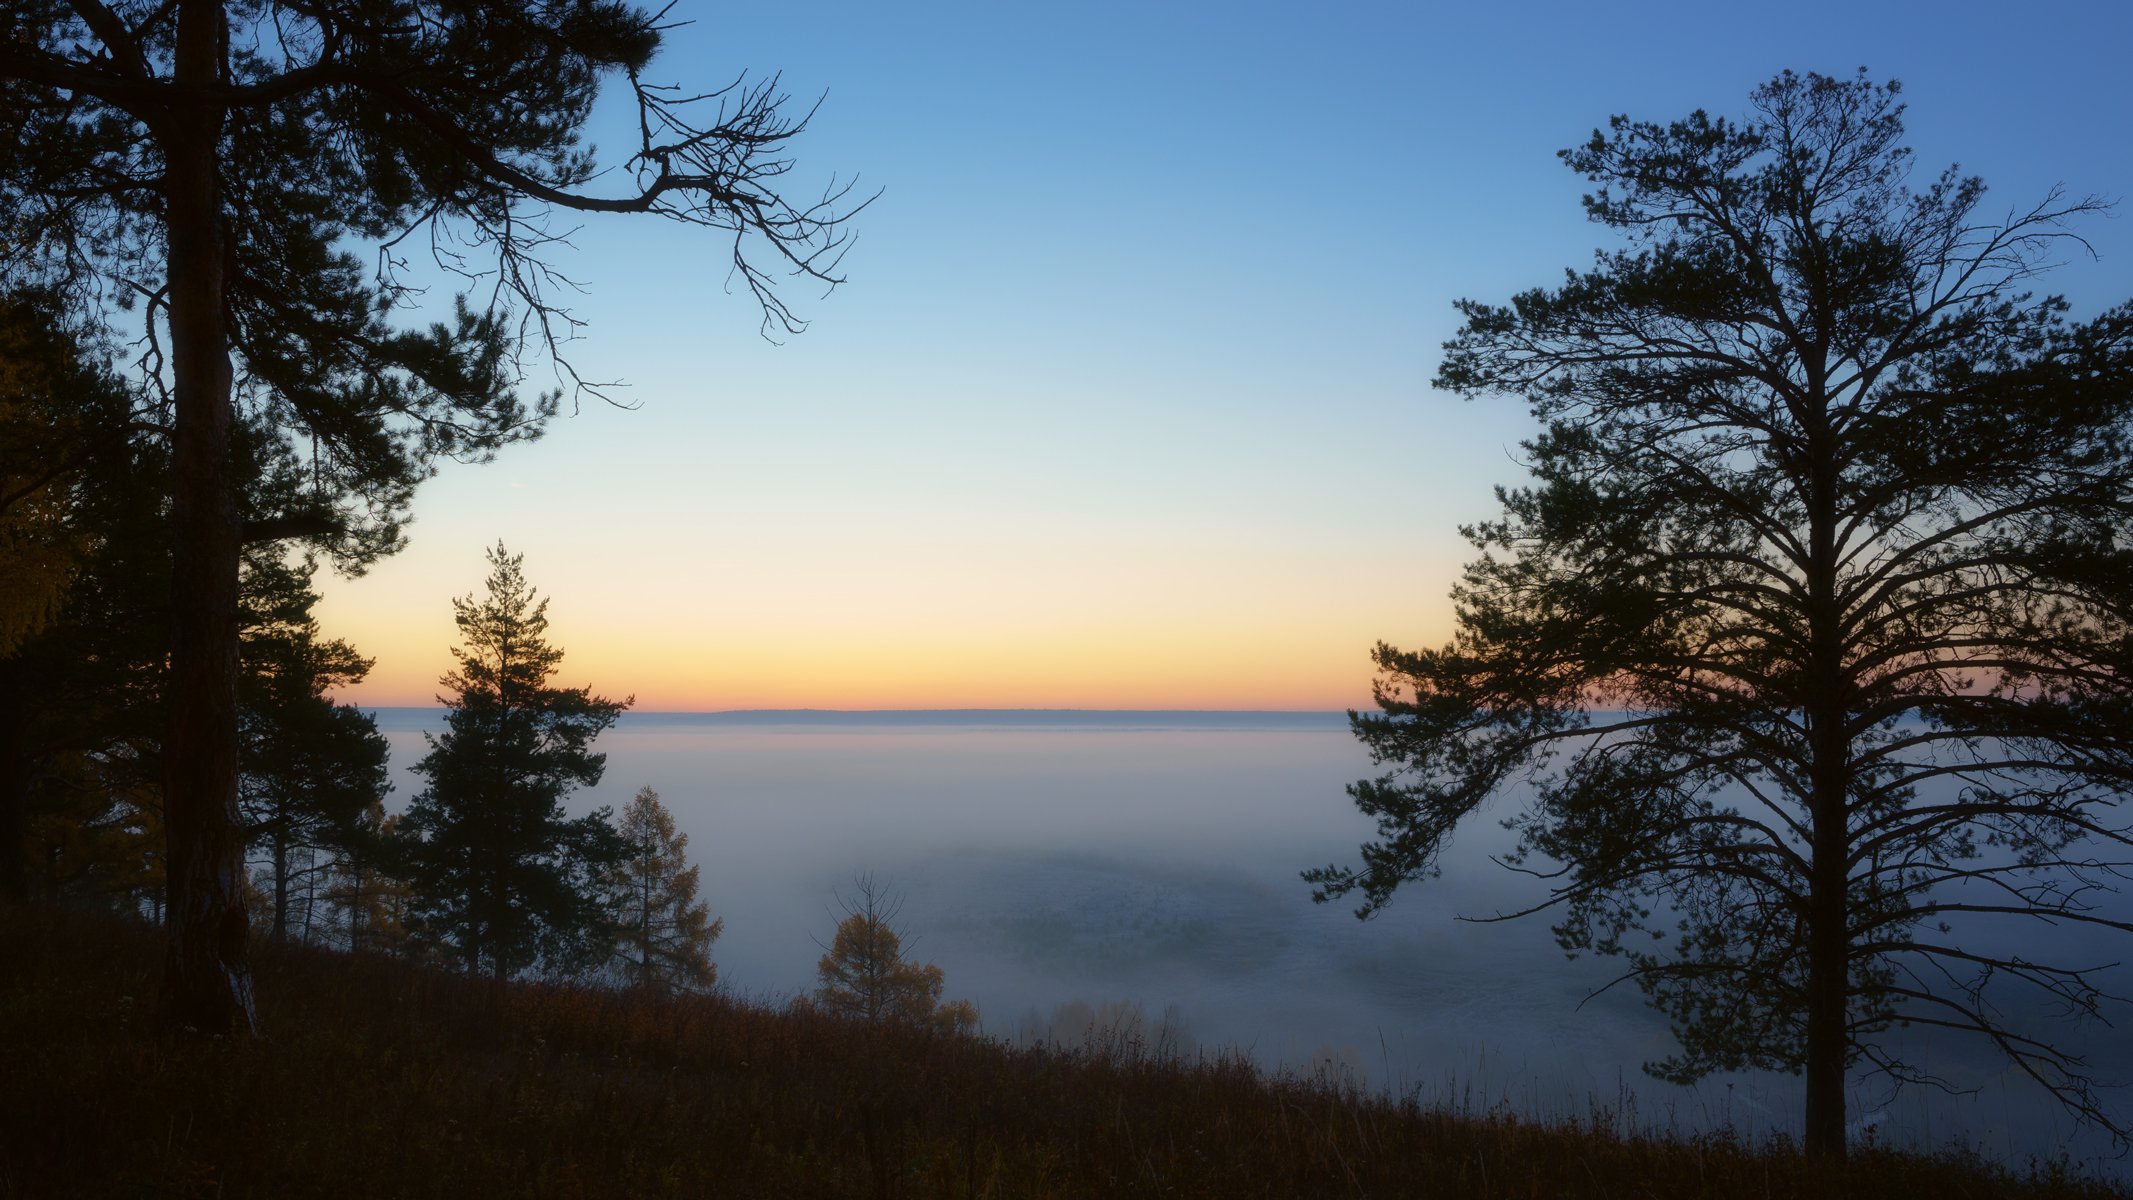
(84, 578)
(503, 881)
(1809, 650)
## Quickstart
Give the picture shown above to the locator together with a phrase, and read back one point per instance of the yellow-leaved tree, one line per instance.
(865, 975)
(663, 934)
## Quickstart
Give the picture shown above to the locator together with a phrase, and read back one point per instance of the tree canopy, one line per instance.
(84, 577)
(1808, 646)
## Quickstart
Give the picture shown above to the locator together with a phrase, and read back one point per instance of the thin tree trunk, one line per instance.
(353, 862)
(281, 886)
(207, 982)
(644, 916)
(502, 910)
(310, 893)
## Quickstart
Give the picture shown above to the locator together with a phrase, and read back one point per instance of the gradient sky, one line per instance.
(1126, 403)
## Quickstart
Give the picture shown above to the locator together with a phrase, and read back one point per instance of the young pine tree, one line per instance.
(663, 934)
(502, 880)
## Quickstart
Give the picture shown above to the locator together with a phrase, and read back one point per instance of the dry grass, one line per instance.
(379, 1078)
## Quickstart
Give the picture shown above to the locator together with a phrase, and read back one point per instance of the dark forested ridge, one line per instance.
(405, 1080)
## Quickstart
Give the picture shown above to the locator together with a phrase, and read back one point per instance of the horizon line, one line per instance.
(717, 712)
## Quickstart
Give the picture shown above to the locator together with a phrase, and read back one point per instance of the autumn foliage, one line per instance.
(663, 933)
(865, 976)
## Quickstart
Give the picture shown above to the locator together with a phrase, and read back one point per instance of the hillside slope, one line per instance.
(381, 1078)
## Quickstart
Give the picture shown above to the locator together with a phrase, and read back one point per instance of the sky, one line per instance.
(1126, 402)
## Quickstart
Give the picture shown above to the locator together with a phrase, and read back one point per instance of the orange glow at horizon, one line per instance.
(1183, 631)
(1198, 669)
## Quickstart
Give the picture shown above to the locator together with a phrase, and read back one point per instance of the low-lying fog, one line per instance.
(1151, 860)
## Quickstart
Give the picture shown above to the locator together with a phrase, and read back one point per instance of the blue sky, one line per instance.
(1126, 402)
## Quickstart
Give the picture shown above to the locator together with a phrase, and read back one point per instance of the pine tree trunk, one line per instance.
(207, 982)
(1829, 746)
(1827, 977)
(310, 896)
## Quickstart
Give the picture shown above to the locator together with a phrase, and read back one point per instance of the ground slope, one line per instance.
(382, 1078)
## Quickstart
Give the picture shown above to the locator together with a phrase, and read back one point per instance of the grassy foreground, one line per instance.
(379, 1078)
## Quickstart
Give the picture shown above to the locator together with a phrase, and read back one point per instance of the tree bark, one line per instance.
(207, 981)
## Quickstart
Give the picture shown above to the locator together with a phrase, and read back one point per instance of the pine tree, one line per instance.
(502, 880)
(51, 399)
(663, 934)
(311, 768)
(1810, 648)
(83, 606)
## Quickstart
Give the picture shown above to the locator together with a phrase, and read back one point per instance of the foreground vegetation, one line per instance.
(379, 1077)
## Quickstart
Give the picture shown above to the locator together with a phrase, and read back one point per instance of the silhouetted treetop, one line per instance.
(503, 880)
